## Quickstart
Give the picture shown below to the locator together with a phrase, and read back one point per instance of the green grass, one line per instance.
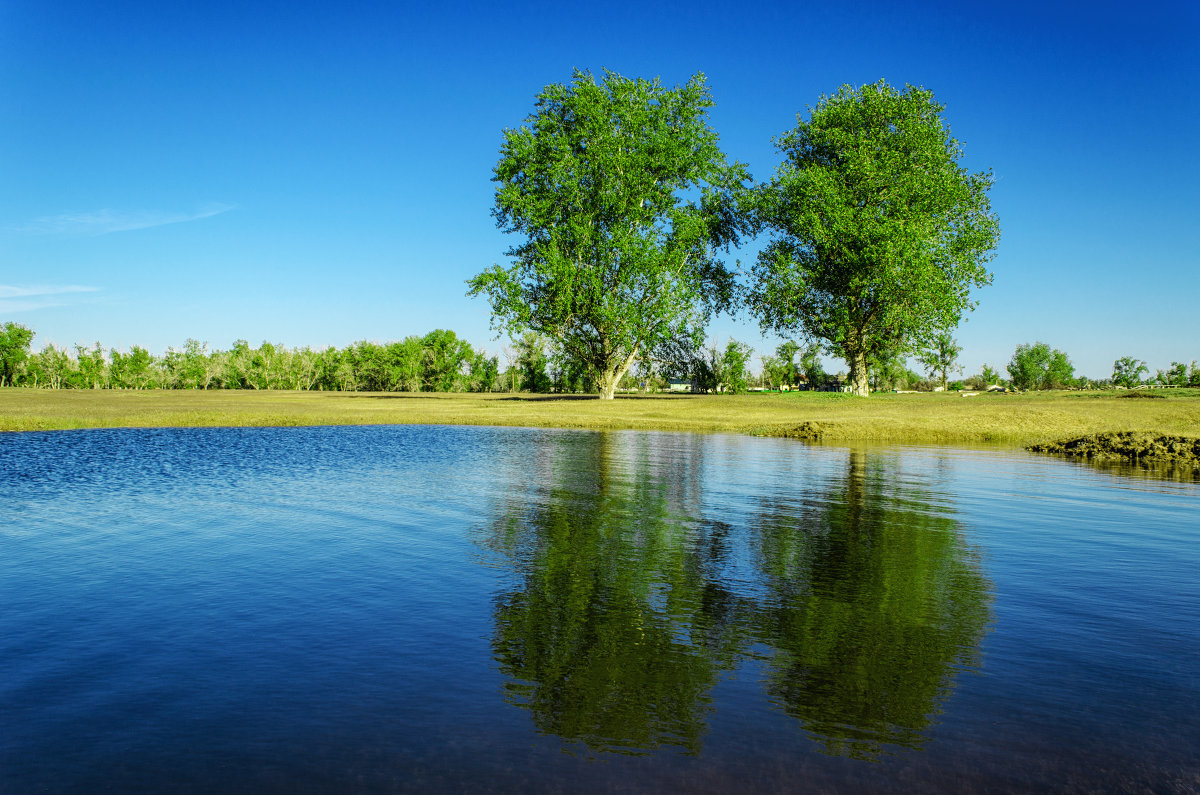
(945, 418)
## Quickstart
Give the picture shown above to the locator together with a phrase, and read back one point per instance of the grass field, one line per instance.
(948, 418)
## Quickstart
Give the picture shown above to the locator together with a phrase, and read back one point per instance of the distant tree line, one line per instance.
(1033, 366)
(1128, 372)
(440, 361)
(1039, 366)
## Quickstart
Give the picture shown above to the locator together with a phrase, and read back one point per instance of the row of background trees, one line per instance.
(1032, 366)
(441, 361)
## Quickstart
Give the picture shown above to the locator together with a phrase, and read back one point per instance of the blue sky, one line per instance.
(319, 173)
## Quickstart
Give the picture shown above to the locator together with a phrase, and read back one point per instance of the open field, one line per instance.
(945, 418)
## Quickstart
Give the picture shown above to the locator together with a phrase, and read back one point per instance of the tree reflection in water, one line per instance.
(626, 613)
(876, 604)
(615, 638)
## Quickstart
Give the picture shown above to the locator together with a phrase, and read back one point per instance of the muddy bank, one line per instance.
(1127, 446)
(805, 431)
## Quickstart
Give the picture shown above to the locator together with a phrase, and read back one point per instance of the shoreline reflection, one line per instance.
(862, 601)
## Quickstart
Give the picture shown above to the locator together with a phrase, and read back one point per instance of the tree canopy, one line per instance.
(1128, 371)
(1038, 366)
(878, 233)
(14, 350)
(941, 357)
(622, 195)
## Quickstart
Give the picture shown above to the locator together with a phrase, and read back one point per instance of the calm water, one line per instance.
(429, 608)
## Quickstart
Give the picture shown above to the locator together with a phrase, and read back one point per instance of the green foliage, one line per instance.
(703, 373)
(916, 381)
(783, 368)
(732, 367)
(395, 367)
(888, 371)
(1177, 374)
(484, 373)
(193, 367)
(973, 382)
(716, 370)
(810, 365)
(786, 352)
(677, 358)
(1038, 366)
(445, 362)
(1128, 371)
(91, 367)
(990, 375)
(940, 357)
(532, 361)
(775, 372)
(51, 367)
(569, 375)
(649, 375)
(14, 351)
(440, 361)
(615, 261)
(878, 233)
(129, 370)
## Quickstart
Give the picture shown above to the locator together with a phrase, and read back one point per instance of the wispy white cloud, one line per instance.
(15, 298)
(13, 291)
(103, 222)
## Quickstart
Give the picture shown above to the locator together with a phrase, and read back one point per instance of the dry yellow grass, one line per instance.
(914, 418)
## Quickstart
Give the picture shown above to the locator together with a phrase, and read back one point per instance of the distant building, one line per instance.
(801, 385)
(680, 385)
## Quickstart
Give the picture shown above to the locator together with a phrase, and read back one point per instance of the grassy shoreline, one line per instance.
(937, 418)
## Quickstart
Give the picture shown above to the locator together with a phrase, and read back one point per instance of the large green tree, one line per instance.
(1128, 371)
(879, 233)
(622, 196)
(446, 360)
(1038, 366)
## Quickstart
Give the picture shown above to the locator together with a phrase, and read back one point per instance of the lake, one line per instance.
(463, 608)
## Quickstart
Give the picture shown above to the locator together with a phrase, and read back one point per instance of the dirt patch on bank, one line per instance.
(1127, 446)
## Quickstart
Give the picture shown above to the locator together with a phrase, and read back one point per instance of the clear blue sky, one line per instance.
(319, 173)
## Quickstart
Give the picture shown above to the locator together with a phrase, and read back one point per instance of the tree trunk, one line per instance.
(858, 374)
(608, 379)
(608, 384)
